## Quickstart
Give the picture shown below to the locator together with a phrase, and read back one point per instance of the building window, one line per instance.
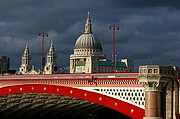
(161, 71)
(155, 71)
(169, 72)
(149, 70)
(165, 71)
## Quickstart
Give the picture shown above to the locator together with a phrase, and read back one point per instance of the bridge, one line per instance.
(151, 92)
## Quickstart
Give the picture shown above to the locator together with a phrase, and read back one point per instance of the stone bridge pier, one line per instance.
(161, 91)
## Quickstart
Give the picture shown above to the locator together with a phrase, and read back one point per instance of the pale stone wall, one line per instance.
(160, 79)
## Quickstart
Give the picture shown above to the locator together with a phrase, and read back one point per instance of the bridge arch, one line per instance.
(115, 104)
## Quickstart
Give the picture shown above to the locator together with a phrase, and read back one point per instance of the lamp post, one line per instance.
(43, 34)
(113, 28)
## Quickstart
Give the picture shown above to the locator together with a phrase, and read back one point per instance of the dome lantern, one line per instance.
(88, 25)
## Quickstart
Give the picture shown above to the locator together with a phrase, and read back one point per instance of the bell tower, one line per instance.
(51, 66)
(26, 64)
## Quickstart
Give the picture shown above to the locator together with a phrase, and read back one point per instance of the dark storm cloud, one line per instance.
(144, 3)
(33, 15)
(148, 28)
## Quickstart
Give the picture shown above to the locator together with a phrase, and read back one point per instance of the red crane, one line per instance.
(43, 34)
(113, 27)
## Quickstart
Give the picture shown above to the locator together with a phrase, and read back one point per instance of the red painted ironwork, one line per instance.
(74, 80)
(65, 84)
(115, 104)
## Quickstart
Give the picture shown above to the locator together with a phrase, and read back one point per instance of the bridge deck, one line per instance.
(123, 87)
(75, 80)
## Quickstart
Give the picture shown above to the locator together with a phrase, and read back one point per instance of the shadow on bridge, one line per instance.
(40, 106)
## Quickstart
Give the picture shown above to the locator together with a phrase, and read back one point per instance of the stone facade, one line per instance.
(26, 63)
(51, 66)
(161, 91)
(88, 56)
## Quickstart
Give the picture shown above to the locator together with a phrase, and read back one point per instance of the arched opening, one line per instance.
(41, 105)
(90, 97)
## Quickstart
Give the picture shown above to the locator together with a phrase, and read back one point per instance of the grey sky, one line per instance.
(148, 28)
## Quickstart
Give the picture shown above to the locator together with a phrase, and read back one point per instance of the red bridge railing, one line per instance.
(96, 79)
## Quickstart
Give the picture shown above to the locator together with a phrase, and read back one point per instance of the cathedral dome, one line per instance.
(87, 41)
